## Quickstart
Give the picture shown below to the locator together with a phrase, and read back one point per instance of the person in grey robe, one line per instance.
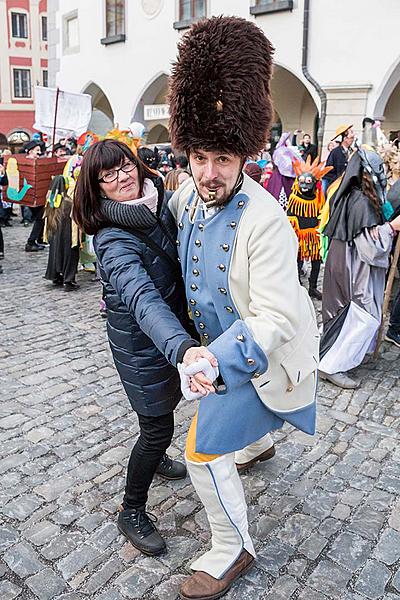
(360, 238)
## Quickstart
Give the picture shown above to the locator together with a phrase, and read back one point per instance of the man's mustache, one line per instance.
(211, 184)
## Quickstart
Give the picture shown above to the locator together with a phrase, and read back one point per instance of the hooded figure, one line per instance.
(63, 258)
(360, 240)
(238, 256)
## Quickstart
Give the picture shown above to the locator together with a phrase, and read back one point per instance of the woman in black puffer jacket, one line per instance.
(120, 200)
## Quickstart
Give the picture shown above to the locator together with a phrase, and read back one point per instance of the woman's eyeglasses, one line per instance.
(112, 175)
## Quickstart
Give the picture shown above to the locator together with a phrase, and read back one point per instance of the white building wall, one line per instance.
(351, 54)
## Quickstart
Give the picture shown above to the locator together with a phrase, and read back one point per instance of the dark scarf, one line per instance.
(132, 216)
(351, 211)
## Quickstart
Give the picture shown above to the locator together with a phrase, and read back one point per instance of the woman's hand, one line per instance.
(194, 353)
(199, 383)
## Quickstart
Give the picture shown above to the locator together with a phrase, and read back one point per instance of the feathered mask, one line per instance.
(316, 168)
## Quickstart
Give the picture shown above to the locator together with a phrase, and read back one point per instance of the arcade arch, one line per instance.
(293, 102)
(102, 119)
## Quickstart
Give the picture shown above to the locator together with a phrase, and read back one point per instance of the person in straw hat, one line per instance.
(339, 156)
(238, 255)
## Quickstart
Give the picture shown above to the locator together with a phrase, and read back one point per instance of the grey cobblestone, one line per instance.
(324, 513)
(373, 579)
(46, 585)
(9, 591)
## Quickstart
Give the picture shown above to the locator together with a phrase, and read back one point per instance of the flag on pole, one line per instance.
(73, 113)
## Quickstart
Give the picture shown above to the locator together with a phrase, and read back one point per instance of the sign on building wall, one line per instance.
(155, 112)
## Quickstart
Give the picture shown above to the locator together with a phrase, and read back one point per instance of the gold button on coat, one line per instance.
(225, 247)
(250, 361)
(229, 309)
(240, 338)
(195, 258)
(223, 291)
(194, 287)
(197, 243)
(222, 267)
(201, 325)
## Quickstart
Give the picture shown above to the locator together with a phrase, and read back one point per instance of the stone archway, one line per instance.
(159, 134)
(387, 106)
(102, 119)
(293, 102)
(387, 88)
(154, 94)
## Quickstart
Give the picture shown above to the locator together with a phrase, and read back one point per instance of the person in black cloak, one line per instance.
(63, 258)
(360, 241)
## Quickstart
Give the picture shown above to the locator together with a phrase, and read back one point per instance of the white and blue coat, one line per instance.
(241, 280)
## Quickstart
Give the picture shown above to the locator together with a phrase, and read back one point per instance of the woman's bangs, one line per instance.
(112, 156)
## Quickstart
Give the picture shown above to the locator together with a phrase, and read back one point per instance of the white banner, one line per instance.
(73, 112)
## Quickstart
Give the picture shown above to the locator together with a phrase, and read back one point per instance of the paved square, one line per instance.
(324, 513)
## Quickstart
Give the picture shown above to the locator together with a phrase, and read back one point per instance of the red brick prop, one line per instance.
(38, 173)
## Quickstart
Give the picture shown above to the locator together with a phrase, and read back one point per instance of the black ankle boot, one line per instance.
(171, 469)
(138, 527)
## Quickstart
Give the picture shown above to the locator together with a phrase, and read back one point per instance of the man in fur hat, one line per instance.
(238, 254)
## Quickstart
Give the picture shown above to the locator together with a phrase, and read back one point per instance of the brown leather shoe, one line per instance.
(266, 455)
(202, 586)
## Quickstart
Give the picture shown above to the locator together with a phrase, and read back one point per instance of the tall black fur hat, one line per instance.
(219, 93)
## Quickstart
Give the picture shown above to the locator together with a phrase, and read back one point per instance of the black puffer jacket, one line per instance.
(145, 301)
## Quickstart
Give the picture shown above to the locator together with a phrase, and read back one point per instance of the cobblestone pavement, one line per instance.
(324, 513)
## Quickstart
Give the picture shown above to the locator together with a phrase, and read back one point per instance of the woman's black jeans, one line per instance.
(155, 437)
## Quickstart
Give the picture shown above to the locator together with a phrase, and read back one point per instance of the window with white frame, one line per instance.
(22, 83)
(44, 28)
(19, 25)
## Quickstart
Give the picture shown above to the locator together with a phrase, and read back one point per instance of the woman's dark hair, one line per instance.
(369, 190)
(103, 155)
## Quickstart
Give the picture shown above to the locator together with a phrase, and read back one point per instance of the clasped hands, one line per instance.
(197, 372)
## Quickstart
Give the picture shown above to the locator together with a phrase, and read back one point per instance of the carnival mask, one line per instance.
(307, 184)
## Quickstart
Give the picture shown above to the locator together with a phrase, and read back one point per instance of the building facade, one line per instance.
(23, 64)
(334, 63)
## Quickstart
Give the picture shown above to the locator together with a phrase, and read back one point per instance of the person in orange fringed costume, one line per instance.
(304, 207)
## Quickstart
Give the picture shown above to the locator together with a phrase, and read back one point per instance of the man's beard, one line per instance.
(212, 198)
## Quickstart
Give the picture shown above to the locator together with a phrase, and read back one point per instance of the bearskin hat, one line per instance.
(219, 93)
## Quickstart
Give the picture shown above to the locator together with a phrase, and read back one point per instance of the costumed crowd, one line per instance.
(202, 248)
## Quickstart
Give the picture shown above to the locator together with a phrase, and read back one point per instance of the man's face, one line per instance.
(306, 139)
(60, 152)
(350, 135)
(34, 152)
(215, 174)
